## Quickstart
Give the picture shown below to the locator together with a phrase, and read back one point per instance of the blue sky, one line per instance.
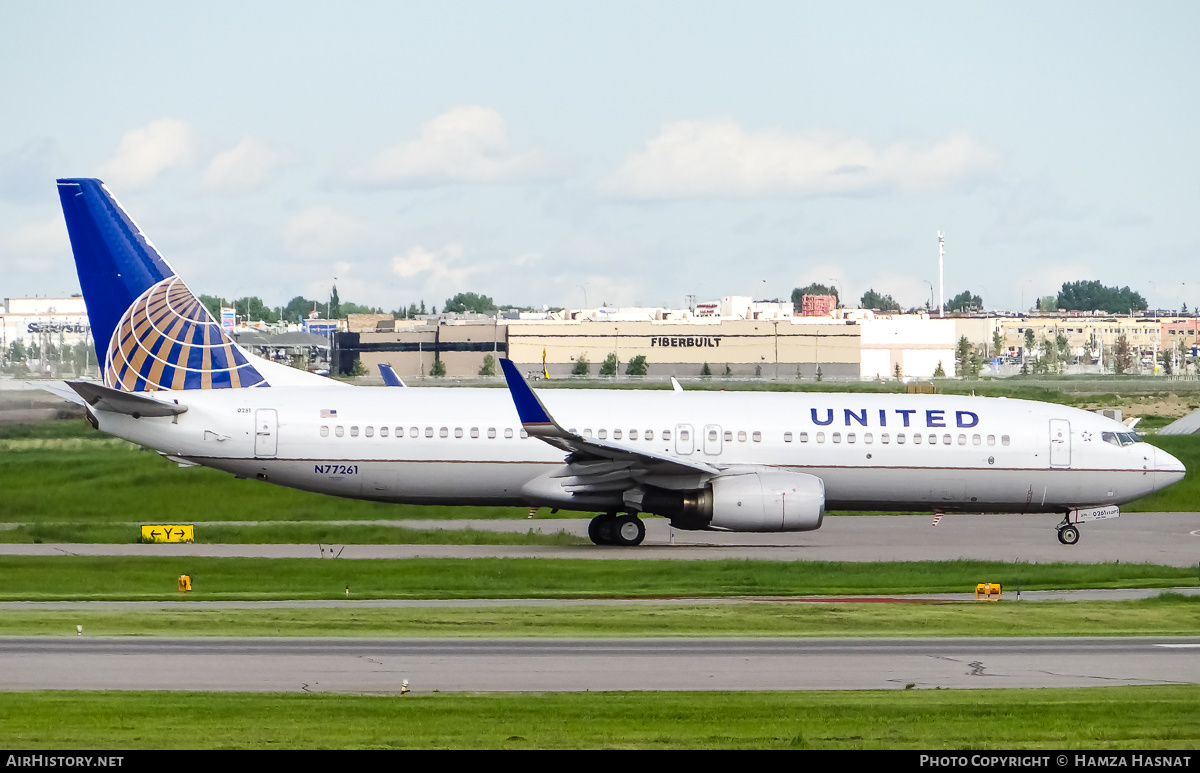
(633, 152)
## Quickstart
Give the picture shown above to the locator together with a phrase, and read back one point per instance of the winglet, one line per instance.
(533, 414)
(389, 376)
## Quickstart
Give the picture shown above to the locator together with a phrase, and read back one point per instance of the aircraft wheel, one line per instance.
(630, 531)
(1068, 535)
(602, 530)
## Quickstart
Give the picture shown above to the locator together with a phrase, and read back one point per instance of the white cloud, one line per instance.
(247, 166)
(145, 153)
(323, 232)
(719, 158)
(438, 270)
(463, 145)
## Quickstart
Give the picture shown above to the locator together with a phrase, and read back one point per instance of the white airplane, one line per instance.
(734, 461)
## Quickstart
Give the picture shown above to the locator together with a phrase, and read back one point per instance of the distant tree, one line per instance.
(1047, 303)
(813, 289)
(609, 366)
(438, 368)
(1123, 356)
(728, 370)
(938, 372)
(706, 371)
(1089, 296)
(489, 366)
(213, 304)
(1063, 351)
(758, 371)
(335, 304)
(298, 308)
(1029, 342)
(997, 342)
(964, 301)
(962, 359)
(897, 372)
(17, 351)
(637, 366)
(582, 366)
(358, 369)
(873, 300)
(464, 302)
(820, 375)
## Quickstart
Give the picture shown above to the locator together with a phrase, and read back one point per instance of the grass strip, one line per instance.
(1139, 718)
(1166, 615)
(154, 578)
(302, 533)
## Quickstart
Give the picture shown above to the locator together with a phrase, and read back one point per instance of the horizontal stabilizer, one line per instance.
(133, 404)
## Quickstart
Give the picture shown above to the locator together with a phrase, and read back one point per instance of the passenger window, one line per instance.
(803, 437)
(976, 440)
(633, 434)
(883, 438)
(602, 434)
(443, 432)
(947, 440)
(324, 430)
(867, 438)
(756, 437)
(820, 437)
(587, 433)
(383, 432)
(429, 432)
(849, 437)
(491, 433)
(524, 434)
(684, 435)
(962, 440)
(991, 440)
(649, 434)
(900, 438)
(837, 437)
(508, 433)
(353, 431)
(712, 435)
(728, 435)
(1004, 440)
(474, 432)
(339, 431)
(787, 437)
(666, 434)
(616, 434)
(458, 432)
(370, 432)
(414, 432)
(741, 437)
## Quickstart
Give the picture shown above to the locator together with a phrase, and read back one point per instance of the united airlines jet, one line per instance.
(735, 461)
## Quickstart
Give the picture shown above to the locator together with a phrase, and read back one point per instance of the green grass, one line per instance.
(36, 578)
(1140, 718)
(1166, 615)
(303, 533)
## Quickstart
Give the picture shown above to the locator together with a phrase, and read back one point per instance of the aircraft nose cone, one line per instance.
(1169, 468)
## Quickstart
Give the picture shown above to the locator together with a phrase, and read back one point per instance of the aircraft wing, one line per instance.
(593, 465)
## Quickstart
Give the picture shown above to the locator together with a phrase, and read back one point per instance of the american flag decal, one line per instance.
(327, 413)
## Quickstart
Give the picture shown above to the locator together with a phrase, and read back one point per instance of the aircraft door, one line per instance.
(266, 432)
(712, 439)
(684, 444)
(1060, 443)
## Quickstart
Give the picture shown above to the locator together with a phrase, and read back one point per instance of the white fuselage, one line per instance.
(465, 446)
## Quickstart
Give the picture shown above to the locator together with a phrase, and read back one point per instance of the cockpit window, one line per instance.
(1121, 438)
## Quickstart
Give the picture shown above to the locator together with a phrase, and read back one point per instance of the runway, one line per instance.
(379, 666)
(1171, 539)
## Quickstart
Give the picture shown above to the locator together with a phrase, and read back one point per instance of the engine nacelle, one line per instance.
(765, 500)
(770, 500)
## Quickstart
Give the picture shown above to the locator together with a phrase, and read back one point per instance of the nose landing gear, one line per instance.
(612, 529)
(1067, 533)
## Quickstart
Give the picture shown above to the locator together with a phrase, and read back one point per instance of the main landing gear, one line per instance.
(612, 529)
(1067, 533)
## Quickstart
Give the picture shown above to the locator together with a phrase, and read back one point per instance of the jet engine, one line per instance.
(766, 500)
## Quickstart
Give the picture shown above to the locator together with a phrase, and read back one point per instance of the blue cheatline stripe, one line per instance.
(528, 407)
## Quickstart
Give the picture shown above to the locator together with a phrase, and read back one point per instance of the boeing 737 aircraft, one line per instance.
(735, 461)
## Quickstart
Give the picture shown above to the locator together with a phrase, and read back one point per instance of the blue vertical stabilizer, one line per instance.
(149, 330)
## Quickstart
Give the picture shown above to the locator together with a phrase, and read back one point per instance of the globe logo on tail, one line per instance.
(167, 339)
